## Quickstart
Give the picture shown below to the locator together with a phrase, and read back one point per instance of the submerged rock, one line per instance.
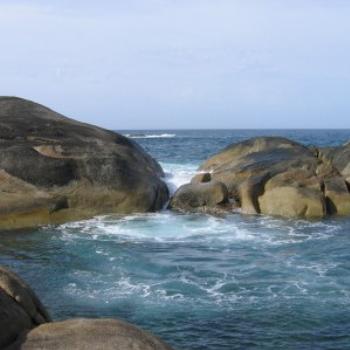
(26, 325)
(54, 169)
(20, 309)
(277, 176)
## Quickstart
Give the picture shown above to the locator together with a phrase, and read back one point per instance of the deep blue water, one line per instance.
(199, 282)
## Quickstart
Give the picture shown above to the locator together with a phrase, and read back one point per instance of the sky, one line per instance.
(171, 64)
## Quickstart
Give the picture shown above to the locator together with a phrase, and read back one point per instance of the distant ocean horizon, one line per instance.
(199, 281)
(122, 131)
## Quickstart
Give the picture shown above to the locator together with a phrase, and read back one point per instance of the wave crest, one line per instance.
(150, 136)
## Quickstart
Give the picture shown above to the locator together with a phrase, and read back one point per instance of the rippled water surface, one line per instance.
(199, 282)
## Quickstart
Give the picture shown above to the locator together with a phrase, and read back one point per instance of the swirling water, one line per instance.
(199, 282)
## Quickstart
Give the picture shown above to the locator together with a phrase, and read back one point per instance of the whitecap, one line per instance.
(149, 136)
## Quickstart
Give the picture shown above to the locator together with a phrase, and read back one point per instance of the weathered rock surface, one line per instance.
(86, 334)
(277, 176)
(204, 196)
(200, 178)
(25, 324)
(54, 169)
(339, 157)
(20, 309)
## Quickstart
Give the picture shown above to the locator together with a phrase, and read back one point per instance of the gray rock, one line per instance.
(337, 196)
(340, 159)
(20, 309)
(54, 169)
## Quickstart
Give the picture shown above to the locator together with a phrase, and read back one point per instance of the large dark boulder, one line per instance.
(277, 176)
(86, 334)
(20, 309)
(54, 169)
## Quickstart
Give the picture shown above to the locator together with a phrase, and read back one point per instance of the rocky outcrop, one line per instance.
(20, 309)
(277, 176)
(26, 325)
(205, 197)
(54, 169)
(339, 157)
(84, 334)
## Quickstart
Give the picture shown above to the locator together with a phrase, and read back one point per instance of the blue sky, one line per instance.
(181, 63)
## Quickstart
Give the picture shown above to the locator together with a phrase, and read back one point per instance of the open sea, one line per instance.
(198, 281)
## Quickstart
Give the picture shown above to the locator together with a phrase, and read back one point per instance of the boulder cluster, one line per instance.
(271, 176)
(26, 325)
(54, 169)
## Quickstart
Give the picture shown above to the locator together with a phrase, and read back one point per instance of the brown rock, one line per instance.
(276, 176)
(190, 197)
(201, 177)
(293, 202)
(86, 334)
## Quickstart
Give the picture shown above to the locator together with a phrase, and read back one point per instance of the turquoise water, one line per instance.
(199, 282)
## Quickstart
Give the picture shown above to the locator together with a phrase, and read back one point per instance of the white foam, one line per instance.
(177, 175)
(150, 136)
(169, 227)
(165, 227)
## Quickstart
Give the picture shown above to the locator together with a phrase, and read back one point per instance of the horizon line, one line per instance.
(233, 129)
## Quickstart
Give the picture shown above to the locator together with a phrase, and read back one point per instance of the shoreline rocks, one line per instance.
(26, 325)
(275, 176)
(209, 196)
(82, 333)
(54, 169)
(20, 309)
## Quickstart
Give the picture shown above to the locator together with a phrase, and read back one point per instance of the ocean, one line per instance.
(198, 281)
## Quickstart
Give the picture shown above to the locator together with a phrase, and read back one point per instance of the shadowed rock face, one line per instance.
(54, 169)
(276, 176)
(26, 325)
(20, 309)
(339, 157)
(201, 196)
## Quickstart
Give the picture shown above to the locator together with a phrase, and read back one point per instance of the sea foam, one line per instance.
(150, 136)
